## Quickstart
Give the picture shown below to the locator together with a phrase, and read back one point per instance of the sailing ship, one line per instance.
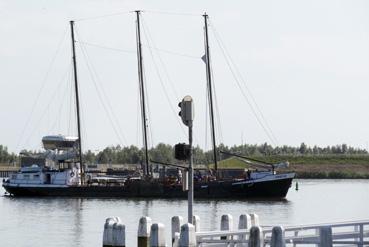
(62, 173)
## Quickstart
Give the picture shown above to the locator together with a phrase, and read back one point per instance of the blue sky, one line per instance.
(305, 63)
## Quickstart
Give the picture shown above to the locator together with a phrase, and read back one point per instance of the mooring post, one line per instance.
(176, 240)
(256, 237)
(196, 222)
(157, 235)
(177, 221)
(325, 236)
(119, 235)
(226, 224)
(108, 232)
(143, 234)
(278, 239)
(254, 220)
(244, 223)
(188, 236)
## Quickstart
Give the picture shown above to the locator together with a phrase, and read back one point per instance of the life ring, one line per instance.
(72, 174)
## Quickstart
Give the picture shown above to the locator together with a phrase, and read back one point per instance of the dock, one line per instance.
(249, 233)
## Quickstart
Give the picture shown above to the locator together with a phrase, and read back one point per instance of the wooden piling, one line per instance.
(244, 223)
(119, 235)
(188, 236)
(143, 234)
(175, 242)
(254, 220)
(226, 224)
(256, 237)
(157, 235)
(278, 239)
(108, 232)
(176, 226)
(196, 222)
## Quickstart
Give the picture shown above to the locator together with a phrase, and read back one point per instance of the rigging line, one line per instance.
(102, 16)
(71, 103)
(138, 133)
(148, 34)
(147, 106)
(57, 119)
(49, 103)
(244, 83)
(249, 103)
(42, 86)
(106, 47)
(171, 13)
(162, 84)
(83, 118)
(217, 115)
(90, 69)
(161, 61)
(206, 116)
(172, 52)
(93, 74)
(243, 92)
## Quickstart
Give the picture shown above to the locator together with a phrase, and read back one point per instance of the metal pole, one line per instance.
(77, 101)
(142, 87)
(210, 93)
(190, 177)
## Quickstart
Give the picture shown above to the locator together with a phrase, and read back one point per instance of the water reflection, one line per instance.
(62, 221)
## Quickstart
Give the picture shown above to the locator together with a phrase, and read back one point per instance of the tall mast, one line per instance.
(210, 93)
(142, 88)
(77, 101)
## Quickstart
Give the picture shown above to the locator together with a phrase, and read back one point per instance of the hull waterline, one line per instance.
(276, 188)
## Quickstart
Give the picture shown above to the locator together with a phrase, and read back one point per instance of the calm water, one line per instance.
(79, 222)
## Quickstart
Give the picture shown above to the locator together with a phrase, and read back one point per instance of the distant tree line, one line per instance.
(5, 156)
(165, 153)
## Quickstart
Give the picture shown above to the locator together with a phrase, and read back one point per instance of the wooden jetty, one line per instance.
(249, 233)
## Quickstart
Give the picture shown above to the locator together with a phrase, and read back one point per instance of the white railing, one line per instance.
(249, 234)
(344, 233)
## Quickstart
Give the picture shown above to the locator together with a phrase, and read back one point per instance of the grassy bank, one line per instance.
(320, 167)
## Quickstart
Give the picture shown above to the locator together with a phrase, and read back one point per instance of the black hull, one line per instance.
(146, 189)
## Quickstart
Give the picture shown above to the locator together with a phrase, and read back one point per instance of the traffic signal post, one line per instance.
(187, 115)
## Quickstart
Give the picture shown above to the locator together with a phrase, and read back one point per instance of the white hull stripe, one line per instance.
(37, 185)
(267, 178)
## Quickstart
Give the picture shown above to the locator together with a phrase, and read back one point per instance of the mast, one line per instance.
(77, 101)
(210, 93)
(142, 88)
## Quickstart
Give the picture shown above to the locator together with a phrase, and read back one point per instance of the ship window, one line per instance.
(26, 176)
(36, 176)
(14, 176)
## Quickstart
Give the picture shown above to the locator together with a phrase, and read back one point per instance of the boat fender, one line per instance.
(72, 174)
